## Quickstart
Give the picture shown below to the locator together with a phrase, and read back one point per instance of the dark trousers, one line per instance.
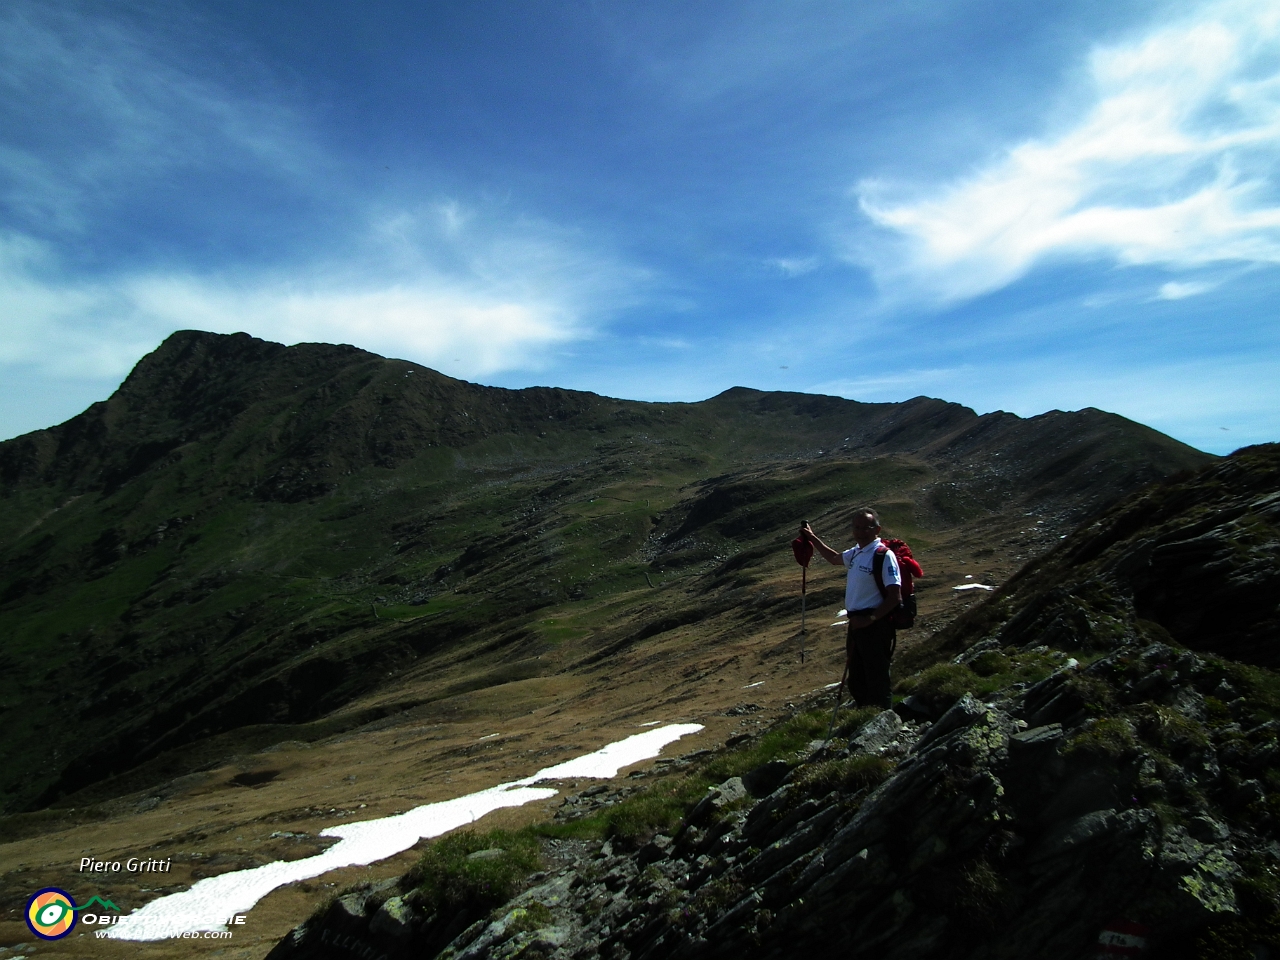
(869, 651)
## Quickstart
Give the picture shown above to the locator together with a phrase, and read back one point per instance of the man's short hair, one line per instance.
(867, 512)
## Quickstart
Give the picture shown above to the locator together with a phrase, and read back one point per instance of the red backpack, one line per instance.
(904, 618)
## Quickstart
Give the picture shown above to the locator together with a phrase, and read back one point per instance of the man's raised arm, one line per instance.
(832, 557)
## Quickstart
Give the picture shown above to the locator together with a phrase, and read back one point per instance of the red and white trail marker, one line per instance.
(1122, 938)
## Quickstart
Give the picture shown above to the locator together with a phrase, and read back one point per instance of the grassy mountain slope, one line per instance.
(1092, 753)
(1193, 558)
(245, 537)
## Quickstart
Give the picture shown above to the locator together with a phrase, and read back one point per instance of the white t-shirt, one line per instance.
(860, 590)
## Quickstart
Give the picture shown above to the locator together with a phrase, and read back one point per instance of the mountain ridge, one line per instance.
(248, 534)
(182, 378)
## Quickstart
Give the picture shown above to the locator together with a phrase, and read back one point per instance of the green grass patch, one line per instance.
(1216, 713)
(942, 684)
(557, 630)
(990, 663)
(473, 872)
(1098, 696)
(531, 917)
(657, 809)
(848, 775)
(1260, 688)
(1169, 731)
(662, 806)
(781, 742)
(1111, 738)
(852, 721)
(397, 611)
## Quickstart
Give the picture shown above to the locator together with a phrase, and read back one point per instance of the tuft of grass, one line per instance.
(719, 894)
(981, 896)
(849, 775)
(1111, 738)
(941, 685)
(636, 819)
(1169, 731)
(781, 742)
(1098, 696)
(532, 916)
(633, 821)
(449, 879)
(853, 720)
(1216, 713)
(991, 662)
(1260, 688)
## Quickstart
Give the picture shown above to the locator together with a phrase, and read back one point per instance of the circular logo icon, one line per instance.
(51, 913)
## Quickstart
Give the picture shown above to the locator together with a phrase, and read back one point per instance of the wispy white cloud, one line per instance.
(1178, 290)
(461, 334)
(514, 303)
(794, 266)
(666, 343)
(94, 109)
(473, 288)
(1173, 164)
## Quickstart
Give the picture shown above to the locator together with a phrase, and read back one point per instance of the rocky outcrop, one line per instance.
(1198, 556)
(990, 837)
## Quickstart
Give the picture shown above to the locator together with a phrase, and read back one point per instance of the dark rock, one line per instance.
(914, 708)
(656, 849)
(962, 713)
(1068, 837)
(395, 921)
(731, 791)
(764, 779)
(878, 734)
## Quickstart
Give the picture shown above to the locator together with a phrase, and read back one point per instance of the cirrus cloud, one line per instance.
(1172, 164)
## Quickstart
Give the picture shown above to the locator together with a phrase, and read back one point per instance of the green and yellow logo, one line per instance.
(51, 913)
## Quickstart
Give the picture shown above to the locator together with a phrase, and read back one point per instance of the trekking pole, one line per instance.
(804, 573)
(839, 696)
(803, 550)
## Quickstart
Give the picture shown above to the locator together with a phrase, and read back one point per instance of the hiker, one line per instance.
(872, 636)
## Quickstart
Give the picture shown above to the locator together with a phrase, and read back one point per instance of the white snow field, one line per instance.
(210, 902)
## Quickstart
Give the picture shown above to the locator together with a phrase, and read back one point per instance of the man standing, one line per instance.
(871, 638)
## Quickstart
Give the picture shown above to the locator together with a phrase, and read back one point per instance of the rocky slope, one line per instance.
(247, 537)
(1091, 768)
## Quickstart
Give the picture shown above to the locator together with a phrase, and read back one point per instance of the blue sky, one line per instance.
(1014, 206)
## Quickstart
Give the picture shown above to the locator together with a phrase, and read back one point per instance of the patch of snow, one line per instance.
(973, 586)
(758, 683)
(209, 902)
